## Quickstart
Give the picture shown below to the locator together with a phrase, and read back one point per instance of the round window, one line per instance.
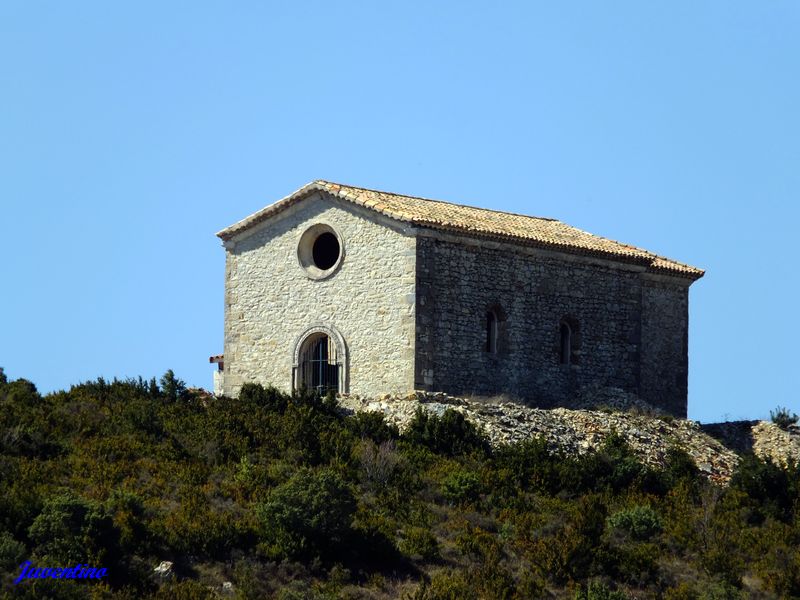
(320, 251)
(325, 251)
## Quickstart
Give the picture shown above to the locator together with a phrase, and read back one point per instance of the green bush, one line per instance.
(373, 539)
(771, 488)
(526, 466)
(172, 388)
(309, 515)
(682, 591)
(445, 585)
(783, 418)
(721, 545)
(562, 545)
(372, 425)
(71, 530)
(12, 552)
(185, 590)
(680, 466)
(257, 488)
(635, 563)
(199, 528)
(779, 569)
(128, 515)
(598, 591)
(450, 435)
(269, 397)
(419, 541)
(461, 487)
(639, 522)
(614, 467)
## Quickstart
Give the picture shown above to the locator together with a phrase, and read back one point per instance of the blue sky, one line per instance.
(131, 132)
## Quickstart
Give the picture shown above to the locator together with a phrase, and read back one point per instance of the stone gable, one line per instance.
(270, 301)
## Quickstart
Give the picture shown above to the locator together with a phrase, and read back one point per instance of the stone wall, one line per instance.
(410, 306)
(270, 300)
(533, 290)
(665, 345)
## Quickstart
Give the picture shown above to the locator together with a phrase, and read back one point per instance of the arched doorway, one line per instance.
(319, 361)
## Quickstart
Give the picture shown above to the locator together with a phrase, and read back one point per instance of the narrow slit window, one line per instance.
(569, 341)
(491, 332)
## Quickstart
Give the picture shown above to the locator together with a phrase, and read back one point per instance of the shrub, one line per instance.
(636, 563)
(461, 487)
(12, 552)
(213, 479)
(268, 397)
(419, 541)
(308, 516)
(172, 388)
(445, 585)
(478, 544)
(779, 569)
(783, 418)
(563, 547)
(379, 464)
(70, 530)
(526, 466)
(450, 435)
(187, 589)
(680, 466)
(682, 591)
(613, 467)
(640, 522)
(127, 512)
(721, 540)
(372, 425)
(373, 539)
(598, 591)
(722, 590)
(198, 527)
(768, 485)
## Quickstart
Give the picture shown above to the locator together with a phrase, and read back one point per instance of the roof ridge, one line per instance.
(494, 210)
(648, 253)
(475, 221)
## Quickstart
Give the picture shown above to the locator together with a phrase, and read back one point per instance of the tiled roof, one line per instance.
(480, 222)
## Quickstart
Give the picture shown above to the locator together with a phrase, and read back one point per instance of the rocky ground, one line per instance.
(763, 438)
(715, 448)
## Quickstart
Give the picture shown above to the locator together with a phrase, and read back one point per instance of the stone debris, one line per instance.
(764, 438)
(572, 431)
(164, 569)
(781, 445)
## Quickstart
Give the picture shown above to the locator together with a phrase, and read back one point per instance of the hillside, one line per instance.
(181, 495)
(712, 447)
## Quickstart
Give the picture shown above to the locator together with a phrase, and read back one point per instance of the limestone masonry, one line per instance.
(366, 293)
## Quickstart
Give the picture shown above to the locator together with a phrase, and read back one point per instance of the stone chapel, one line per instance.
(365, 292)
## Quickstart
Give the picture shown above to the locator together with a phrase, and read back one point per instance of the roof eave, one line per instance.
(261, 215)
(649, 261)
(687, 271)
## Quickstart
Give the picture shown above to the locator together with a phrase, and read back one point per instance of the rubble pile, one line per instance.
(567, 429)
(763, 438)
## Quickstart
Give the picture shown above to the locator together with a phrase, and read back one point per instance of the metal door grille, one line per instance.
(319, 369)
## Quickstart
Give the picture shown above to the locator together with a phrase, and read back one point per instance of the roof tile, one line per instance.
(436, 214)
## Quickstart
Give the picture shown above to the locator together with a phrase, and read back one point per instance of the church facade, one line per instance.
(364, 292)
